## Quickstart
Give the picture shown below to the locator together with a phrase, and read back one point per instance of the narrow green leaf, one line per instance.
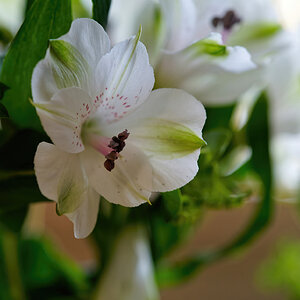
(46, 19)
(258, 136)
(100, 11)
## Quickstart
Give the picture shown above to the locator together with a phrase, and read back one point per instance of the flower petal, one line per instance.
(123, 80)
(168, 128)
(63, 116)
(208, 70)
(130, 272)
(85, 216)
(43, 84)
(89, 38)
(180, 17)
(60, 177)
(128, 184)
(87, 42)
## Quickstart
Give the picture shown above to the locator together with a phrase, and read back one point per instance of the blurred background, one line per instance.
(268, 269)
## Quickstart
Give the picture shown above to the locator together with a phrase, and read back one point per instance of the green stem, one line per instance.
(10, 246)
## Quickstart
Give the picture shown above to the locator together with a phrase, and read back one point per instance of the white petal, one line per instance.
(64, 115)
(48, 165)
(130, 272)
(180, 17)
(173, 169)
(172, 174)
(89, 38)
(123, 185)
(85, 217)
(60, 177)
(42, 83)
(237, 61)
(123, 79)
(209, 71)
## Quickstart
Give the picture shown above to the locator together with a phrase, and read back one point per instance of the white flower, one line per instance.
(112, 136)
(130, 274)
(174, 27)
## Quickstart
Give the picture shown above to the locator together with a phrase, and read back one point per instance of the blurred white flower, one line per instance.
(112, 136)
(130, 274)
(285, 151)
(11, 14)
(172, 26)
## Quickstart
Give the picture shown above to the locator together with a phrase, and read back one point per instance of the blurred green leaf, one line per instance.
(3, 111)
(235, 159)
(43, 265)
(13, 220)
(38, 267)
(166, 235)
(172, 202)
(100, 11)
(46, 19)
(218, 117)
(18, 186)
(281, 272)
(218, 141)
(258, 136)
(16, 193)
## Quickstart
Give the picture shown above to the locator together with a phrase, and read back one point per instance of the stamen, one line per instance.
(117, 143)
(228, 20)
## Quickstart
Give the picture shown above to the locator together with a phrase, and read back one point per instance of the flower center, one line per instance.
(117, 143)
(227, 21)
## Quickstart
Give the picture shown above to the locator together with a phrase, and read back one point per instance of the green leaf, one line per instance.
(42, 265)
(100, 11)
(258, 136)
(46, 19)
(172, 202)
(218, 141)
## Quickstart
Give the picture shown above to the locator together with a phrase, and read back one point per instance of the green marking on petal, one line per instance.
(257, 31)
(68, 65)
(70, 189)
(135, 43)
(209, 47)
(168, 139)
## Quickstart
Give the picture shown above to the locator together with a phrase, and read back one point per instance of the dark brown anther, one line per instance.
(114, 143)
(117, 144)
(113, 155)
(228, 20)
(123, 135)
(109, 165)
(215, 21)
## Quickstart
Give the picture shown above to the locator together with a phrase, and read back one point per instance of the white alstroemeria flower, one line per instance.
(214, 75)
(130, 273)
(112, 136)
